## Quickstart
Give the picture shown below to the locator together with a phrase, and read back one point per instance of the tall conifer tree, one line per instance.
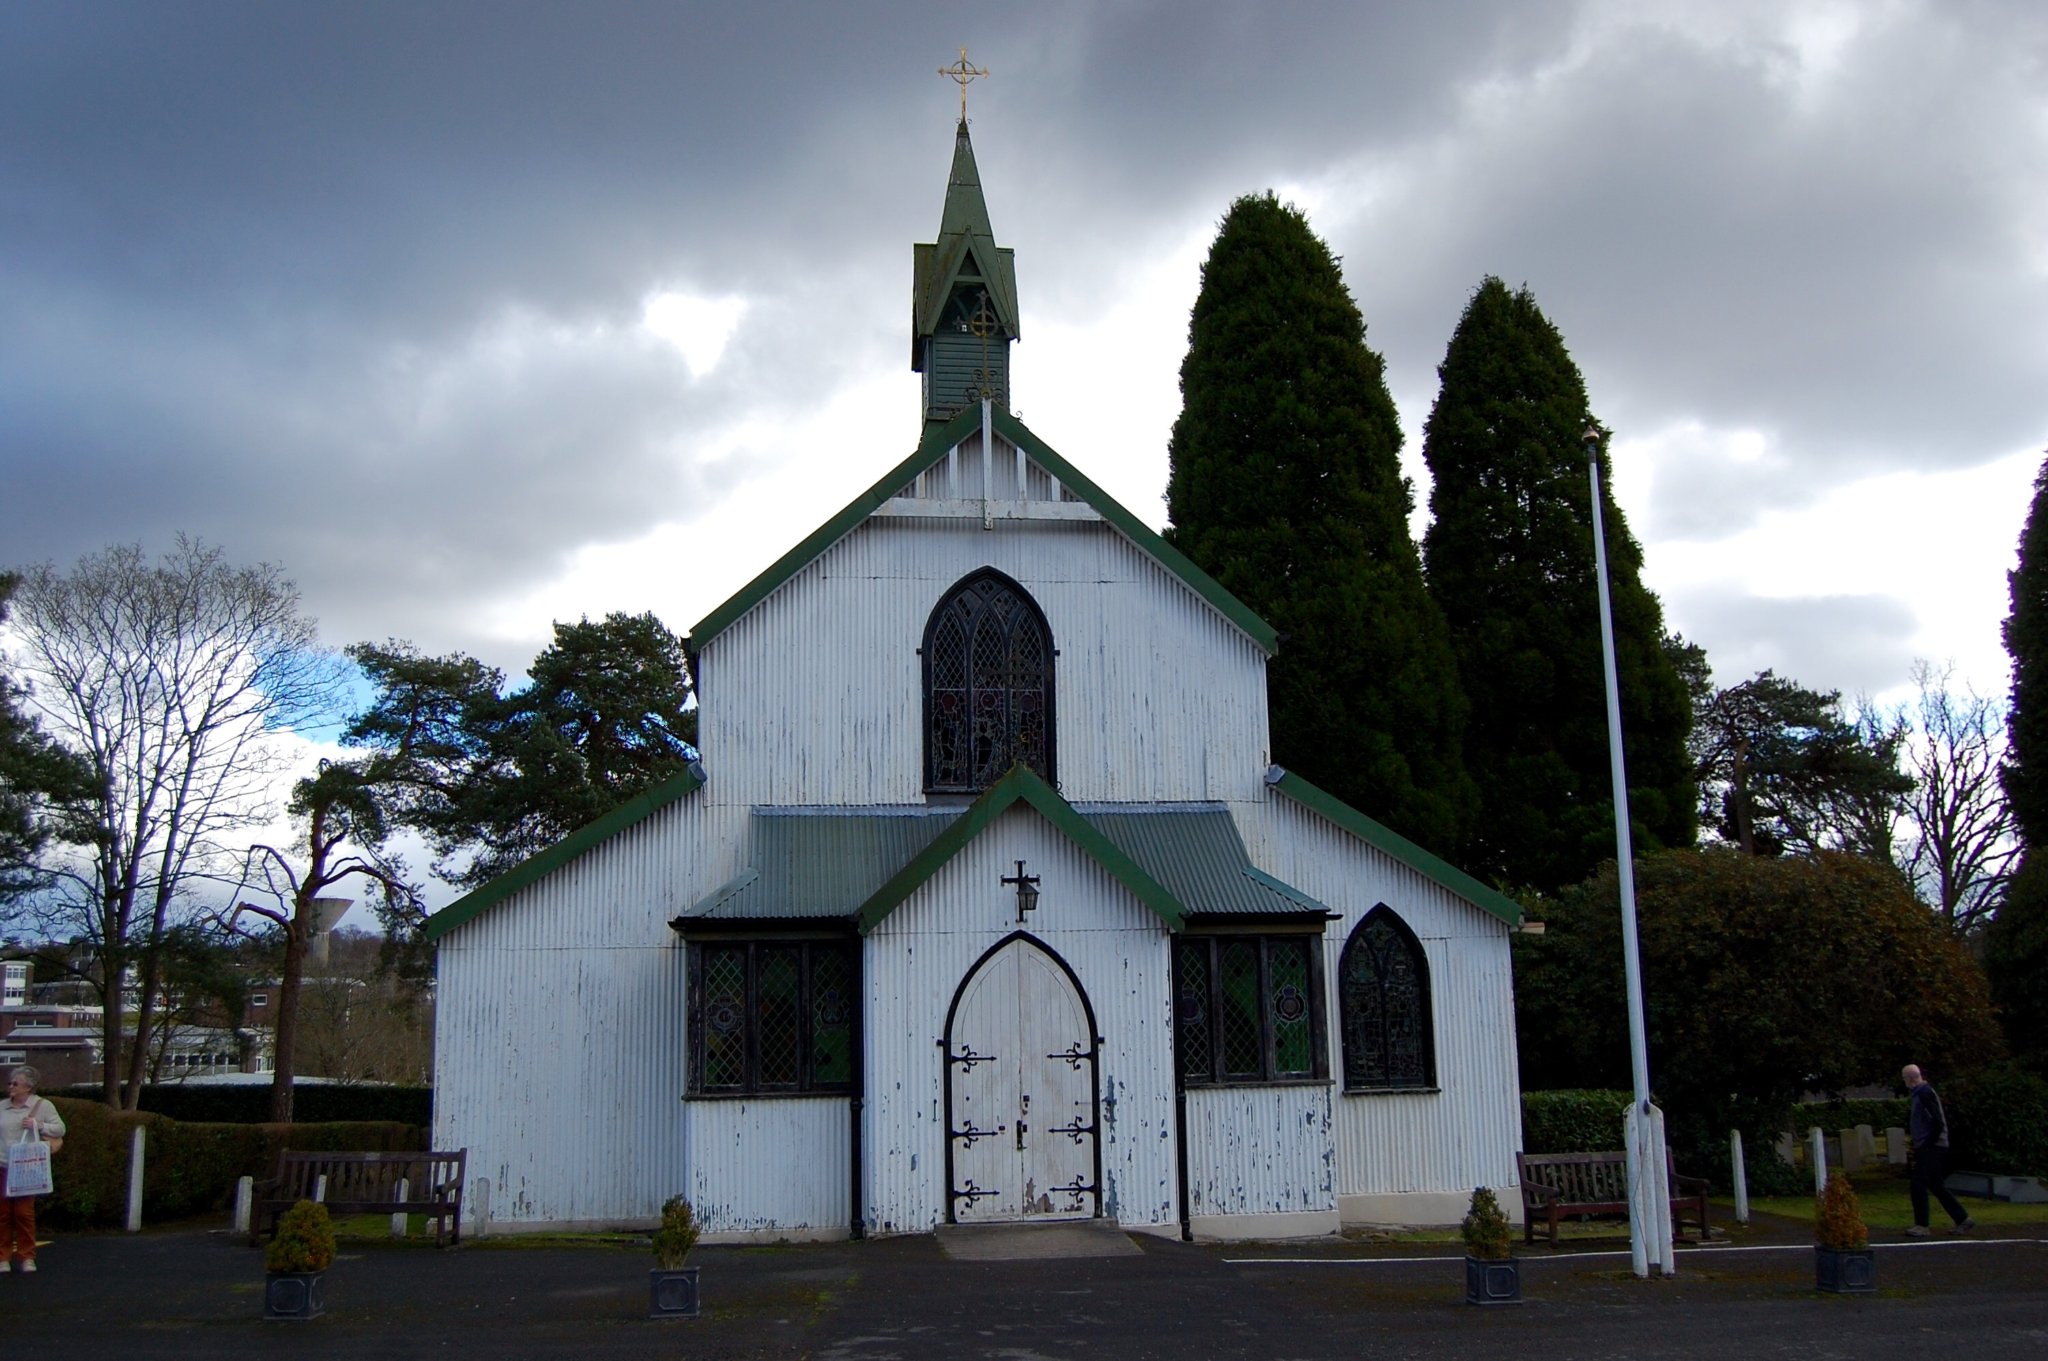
(2026, 642)
(2016, 944)
(1286, 486)
(1509, 558)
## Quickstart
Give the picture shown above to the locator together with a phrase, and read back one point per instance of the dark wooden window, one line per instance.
(1383, 994)
(1247, 1009)
(771, 1016)
(988, 686)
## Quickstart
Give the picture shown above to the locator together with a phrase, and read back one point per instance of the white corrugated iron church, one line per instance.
(985, 902)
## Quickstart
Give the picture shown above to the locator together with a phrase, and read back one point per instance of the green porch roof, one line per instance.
(930, 451)
(818, 864)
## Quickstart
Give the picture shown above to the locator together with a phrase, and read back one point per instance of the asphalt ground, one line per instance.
(195, 1293)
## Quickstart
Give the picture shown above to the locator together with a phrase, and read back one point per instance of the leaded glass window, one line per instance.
(1247, 1010)
(1383, 992)
(772, 1016)
(988, 686)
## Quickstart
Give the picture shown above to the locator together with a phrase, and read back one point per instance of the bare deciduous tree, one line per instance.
(1961, 844)
(169, 677)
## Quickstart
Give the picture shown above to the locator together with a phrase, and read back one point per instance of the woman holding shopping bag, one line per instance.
(24, 1117)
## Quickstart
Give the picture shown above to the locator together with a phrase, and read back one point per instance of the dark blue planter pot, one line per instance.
(292, 1294)
(1845, 1273)
(672, 1294)
(1493, 1282)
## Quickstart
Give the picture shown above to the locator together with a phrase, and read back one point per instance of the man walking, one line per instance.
(1927, 1126)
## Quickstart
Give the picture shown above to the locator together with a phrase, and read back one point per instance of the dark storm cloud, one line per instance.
(354, 288)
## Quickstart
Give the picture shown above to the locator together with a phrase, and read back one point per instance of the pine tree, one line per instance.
(1286, 486)
(1509, 558)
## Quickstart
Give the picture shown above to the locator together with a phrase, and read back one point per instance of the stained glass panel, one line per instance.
(988, 679)
(1384, 990)
(1191, 1010)
(831, 1016)
(1294, 1050)
(777, 1016)
(725, 1019)
(1237, 968)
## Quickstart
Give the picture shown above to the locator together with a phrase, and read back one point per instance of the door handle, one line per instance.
(1020, 1134)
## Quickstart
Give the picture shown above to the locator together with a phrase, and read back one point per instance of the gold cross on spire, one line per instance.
(961, 72)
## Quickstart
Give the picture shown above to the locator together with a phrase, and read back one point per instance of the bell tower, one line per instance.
(964, 292)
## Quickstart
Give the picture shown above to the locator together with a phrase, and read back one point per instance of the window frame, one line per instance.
(1050, 669)
(808, 947)
(1425, 1005)
(1214, 1073)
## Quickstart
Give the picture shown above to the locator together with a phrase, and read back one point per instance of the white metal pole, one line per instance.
(1624, 854)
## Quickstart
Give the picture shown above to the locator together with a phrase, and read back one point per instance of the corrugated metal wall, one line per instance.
(1159, 697)
(1466, 1134)
(558, 1029)
(1259, 1150)
(919, 956)
(774, 1164)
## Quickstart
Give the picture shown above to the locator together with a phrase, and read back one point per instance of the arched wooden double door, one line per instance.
(1022, 1094)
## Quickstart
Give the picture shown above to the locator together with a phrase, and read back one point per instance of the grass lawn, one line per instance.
(1887, 1205)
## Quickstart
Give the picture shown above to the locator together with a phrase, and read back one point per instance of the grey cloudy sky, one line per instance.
(477, 316)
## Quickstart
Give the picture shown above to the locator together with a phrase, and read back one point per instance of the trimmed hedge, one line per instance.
(189, 1167)
(1585, 1120)
(1998, 1121)
(312, 1105)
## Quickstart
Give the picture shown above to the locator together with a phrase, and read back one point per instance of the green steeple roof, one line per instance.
(951, 277)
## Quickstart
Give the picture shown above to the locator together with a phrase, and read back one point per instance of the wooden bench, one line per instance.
(1557, 1185)
(366, 1183)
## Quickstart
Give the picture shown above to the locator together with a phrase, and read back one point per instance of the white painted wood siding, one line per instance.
(916, 960)
(776, 1164)
(1259, 1150)
(816, 694)
(558, 1027)
(1466, 1133)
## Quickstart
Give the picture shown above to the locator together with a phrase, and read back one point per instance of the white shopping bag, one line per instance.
(28, 1164)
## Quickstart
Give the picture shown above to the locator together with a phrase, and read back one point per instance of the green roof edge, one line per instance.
(1025, 785)
(1385, 838)
(934, 444)
(545, 862)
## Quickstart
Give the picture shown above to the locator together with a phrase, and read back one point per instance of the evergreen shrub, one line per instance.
(1998, 1121)
(304, 1242)
(1486, 1227)
(311, 1104)
(1838, 1217)
(1582, 1120)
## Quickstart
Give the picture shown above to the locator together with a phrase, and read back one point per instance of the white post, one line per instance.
(320, 1188)
(245, 1202)
(398, 1220)
(477, 1208)
(1741, 1176)
(1818, 1142)
(135, 1181)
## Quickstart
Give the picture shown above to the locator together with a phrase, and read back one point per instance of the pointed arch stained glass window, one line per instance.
(1383, 989)
(988, 686)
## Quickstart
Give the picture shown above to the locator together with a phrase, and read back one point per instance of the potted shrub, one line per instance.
(303, 1248)
(1492, 1276)
(1843, 1263)
(671, 1286)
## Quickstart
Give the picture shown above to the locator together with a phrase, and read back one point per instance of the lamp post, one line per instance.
(1649, 1189)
